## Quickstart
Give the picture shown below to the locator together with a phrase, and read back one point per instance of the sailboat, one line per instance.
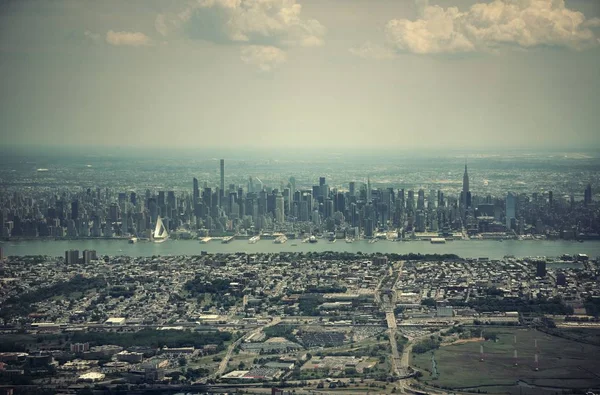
(160, 232)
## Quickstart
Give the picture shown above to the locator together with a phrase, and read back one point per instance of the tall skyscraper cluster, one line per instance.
(359, 210)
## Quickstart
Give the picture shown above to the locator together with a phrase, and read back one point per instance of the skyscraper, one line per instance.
(74, 209)
(171, 199)
(222, 190)
(340, 203)
(587, 196)
(465, 187)
(420, 221)
(323, 187)
(540, 268)
(420, 199)
(113, 211)
(89, 255)
(328, 208)
(196, 192)
(316, 192)
(207, 201)
(71, 257)
(410, 202)
(279, 209)
(511, 209)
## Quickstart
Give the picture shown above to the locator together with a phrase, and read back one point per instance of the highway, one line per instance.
(387, 306)
(405, 385)
(400, 363)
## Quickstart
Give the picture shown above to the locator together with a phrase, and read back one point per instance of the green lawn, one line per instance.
(562, 363)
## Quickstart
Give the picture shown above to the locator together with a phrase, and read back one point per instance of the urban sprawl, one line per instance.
(296, 322)
(291, 321)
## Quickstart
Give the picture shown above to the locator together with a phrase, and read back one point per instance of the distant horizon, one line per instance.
(107, 150)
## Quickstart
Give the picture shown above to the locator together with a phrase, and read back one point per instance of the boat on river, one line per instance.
(160, 234)
(280, 240)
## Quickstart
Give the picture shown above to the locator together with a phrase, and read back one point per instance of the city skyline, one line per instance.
(299, 196)
(301, 74)
(229, 209)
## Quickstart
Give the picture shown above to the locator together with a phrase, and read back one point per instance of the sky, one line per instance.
(301, 74)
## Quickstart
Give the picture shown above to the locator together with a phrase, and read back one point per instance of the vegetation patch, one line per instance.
(154, 338)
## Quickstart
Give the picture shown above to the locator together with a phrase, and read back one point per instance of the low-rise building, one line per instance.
(131, 357)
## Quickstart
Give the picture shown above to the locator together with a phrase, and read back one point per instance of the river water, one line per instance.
(462, 248)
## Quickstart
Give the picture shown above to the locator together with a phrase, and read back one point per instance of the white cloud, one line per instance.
(93, 37)
(160, 24)
(264, 27)
(488, 26)
(273, 22)
(373, 51)
(133, 39)
(266, 58)
(169, 23)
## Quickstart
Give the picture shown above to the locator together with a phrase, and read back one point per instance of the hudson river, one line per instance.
(465, 249)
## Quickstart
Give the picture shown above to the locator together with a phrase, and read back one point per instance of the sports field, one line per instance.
(562, 364)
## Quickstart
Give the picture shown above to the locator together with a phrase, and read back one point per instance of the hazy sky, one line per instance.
(301, 73)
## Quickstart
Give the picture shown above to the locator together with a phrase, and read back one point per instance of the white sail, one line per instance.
(160, 232)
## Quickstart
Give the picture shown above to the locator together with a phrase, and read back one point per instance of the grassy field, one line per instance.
(563, 364)
(206, 362)
(586, 335)
(246, 357)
